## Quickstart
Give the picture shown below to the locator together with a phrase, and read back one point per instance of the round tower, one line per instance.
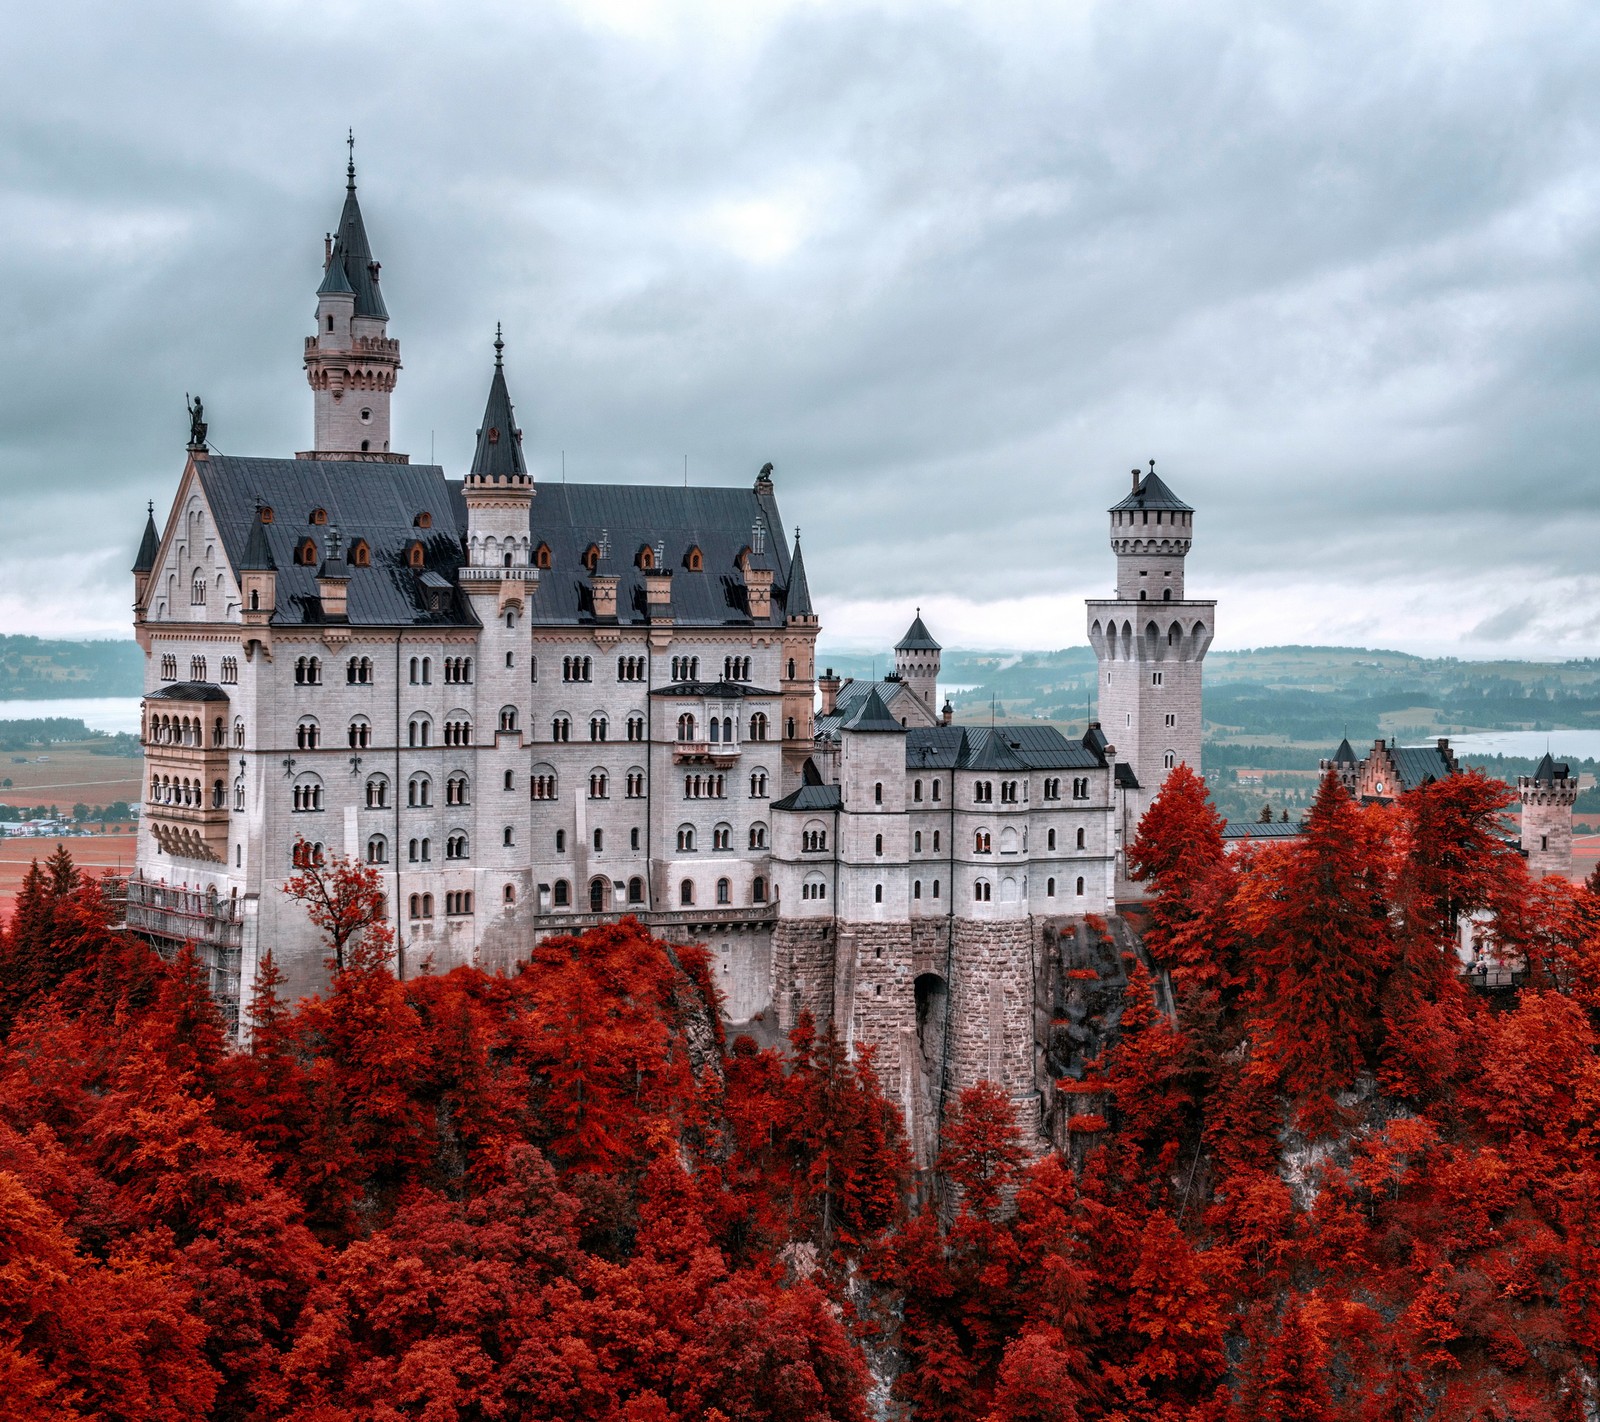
(916, 660)
(351, 363)
(1548, 796)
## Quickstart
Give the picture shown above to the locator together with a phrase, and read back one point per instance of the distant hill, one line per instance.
(34, 669)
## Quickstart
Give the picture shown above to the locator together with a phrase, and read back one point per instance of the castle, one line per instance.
(536, 706)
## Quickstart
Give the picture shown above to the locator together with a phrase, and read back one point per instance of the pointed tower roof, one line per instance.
(873, 715)
(334, 281)
(797, 602)
(149, 544)
(1150, 492)
(499, 451)
(1549, 770)
(353, 252)
(1345, 755)
(917, 638)
(257, 553)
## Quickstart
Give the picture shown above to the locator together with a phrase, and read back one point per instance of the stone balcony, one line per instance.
(498, 573)
(721, 753)
(189, 831)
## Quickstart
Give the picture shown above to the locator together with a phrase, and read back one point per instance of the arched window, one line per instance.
(415, 555)
(758, 726)
(377, 850)
(758, 889)
(758, 836)
(455, 845)
(1080, 888)
(318, 516)
(508, 718)
(508, 895)
(508, 837)
(758, 785)
(419, 792)
(197, 590)
(722, 837)
(599, 728)
(307, 794)
(685, 839)
(360, 734)
(457, 790)
(307, 734)
(1080, 839)
(694, 562)
(305, 553)
(686, 726)
(877, 793)
(541, 556)
(561, 894)
(686, 893)
(724, 891)
(598, 783)
(1050, 888)
(360, 554)
(877, 844)
(1169, 760)
(377, 793)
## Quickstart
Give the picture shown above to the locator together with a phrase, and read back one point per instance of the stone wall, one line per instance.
(803, 970)
(994, 974)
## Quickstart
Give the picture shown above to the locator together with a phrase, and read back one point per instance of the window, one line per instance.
(630, 668)
(457, 903)
(724, 891)
(360, 554)
(633, 838)
(542, 784)
(1049, 888)
(1155, 678)
(758, 889)
(791, 668)
(635, 891)
(377, 793)
(686, 726)
(509, 780)
(238, 733)
(238, 793)
(813, 839)
(758, 726)
(377, 850)
(1080, 888)
(634, 783)
(936, 888)
(1080, 839)
(597, 785)
(307, 735)
(420, 851)
(916, 842)
(758, 785)
(319, 516)
(360, 733)
(599, 840)
(722, 837)
(305, 553)
(982, 792)
(758, 836)
(508, 718)
(916, 791)
(358, 671)
(458, 671)
(1169, 760)
(1080, 788)
(694, 563)
(598, 728)
(419, 792)
(936, 841)
(877, 898)
(916, 888)
(983, 891)
(790, 725)
(561, 841)
(455, 845)
(561, 895)
(541, 556)
(169, 668)
(877, 793)
(419, 731)
(414, 555)
(308, 671)
(936, 785)
(635, 727)
(458, 732)
(561, 728)
(507, 838)
(307, 793)
(197, 590)
(685, 839)
(577, 669)
(508, 894)
(686, 893)
(877, 845)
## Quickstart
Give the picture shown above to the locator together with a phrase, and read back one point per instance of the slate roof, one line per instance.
(499, 451)
(1126, 779)
(799, 600)
(1152, 494)
(917, 638)
(1027, 747)
(1345, 755)
(353, 255)
(1549, 770)
(378, 503)
(810, 797)
(719, 522)
(718, 690)
(149, 545)
(1244, 829)
(1417, 765)
(189, 691)
(873, 715)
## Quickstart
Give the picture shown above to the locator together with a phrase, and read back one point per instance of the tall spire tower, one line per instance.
(1150, 640)
(351, 363)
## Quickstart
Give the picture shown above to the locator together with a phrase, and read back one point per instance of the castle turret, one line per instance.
(1548, 796)
(799, 674)
(351, 363)
(1150, 639)
(145, 561)
(916, 659)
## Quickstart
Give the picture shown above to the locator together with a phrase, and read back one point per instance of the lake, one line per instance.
(1572, 745)
(98, 713)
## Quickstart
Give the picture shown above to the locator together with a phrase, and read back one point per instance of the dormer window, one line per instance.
(591, 557)
(423, 520)
(360, 554)
(414, 555)
(494, 434)
(266, 513)
(646, 559)
(306, 553)
(541, 556)
(318, 516)
(693, 561)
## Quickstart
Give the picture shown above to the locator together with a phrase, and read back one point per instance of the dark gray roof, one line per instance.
(1152, 494)
(798, 601)
(1345, 755)
(810, 797)
(873, 715)
(722, 690)
(149, 545)
(1549, 770)
(1276, 829)
(1030, 747)
(334, 281)
(377, 503)
(917, 638)
(1417, 765)
(499, 451)
(189, 691)
(353, 253)
(993, 752)
(257, 555)
(1126, 779)
(720, 522)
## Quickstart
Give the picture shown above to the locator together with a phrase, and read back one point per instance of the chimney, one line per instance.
(1136, 481)
(828, 685)
(758, 590)
(947, 714)
(604, 586)
(658, 593)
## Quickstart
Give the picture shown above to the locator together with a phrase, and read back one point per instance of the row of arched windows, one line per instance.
(705, 787)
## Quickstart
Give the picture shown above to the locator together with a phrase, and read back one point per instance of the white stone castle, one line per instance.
(535, 706)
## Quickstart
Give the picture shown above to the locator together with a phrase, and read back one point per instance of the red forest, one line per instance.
(1328, 1181)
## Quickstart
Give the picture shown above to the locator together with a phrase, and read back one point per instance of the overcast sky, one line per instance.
(954, 269)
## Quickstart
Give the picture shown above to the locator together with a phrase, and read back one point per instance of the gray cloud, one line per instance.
(953, 272)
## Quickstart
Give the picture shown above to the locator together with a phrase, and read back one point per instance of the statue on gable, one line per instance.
(197, 422)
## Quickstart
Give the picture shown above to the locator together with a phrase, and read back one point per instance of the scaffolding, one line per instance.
(171, 915)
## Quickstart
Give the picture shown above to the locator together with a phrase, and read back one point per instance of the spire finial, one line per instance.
(350, 169)
(499, 346)
(1152, 466)
(150, 507)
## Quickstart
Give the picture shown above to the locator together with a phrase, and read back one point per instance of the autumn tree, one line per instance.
(343, 897)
